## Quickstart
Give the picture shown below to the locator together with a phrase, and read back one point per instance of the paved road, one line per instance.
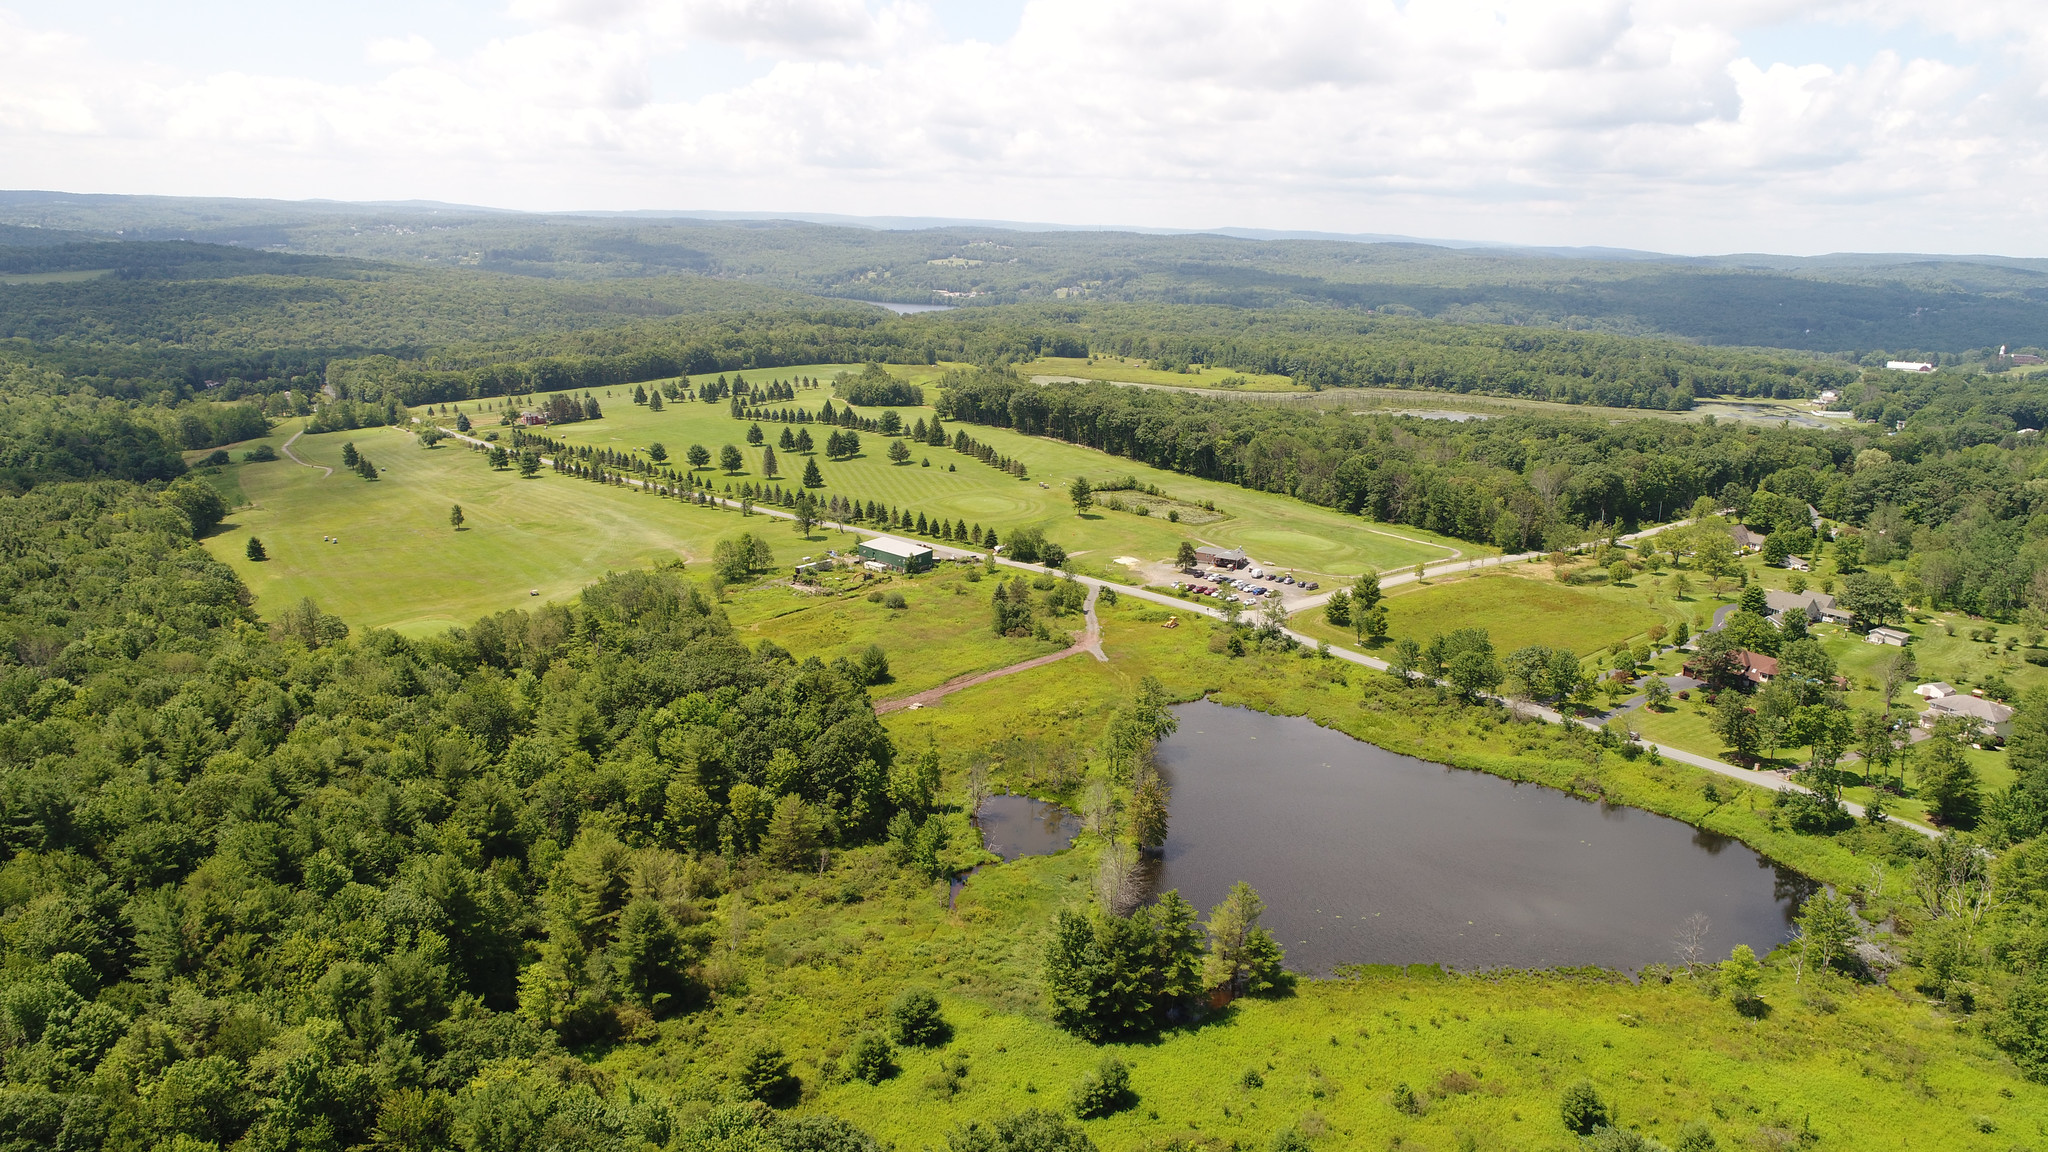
(1766, 780)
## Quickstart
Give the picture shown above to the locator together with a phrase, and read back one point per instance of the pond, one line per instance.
(1013, 826)
(1366, 856)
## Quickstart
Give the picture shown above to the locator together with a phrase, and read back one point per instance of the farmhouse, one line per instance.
(1816, 606)
(1756, 668)
(891, 552)
(1222, 557)
(1987, 717)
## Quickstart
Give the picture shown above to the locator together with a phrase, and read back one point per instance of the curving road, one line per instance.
(286, 448)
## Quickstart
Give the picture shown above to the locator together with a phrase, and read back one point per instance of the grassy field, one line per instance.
(399, 564)
(1488, 1055)
(1136, 371)
(1516, 610)
(942, 634)
(1277, 529)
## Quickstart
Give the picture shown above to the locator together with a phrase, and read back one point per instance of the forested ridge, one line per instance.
(1942, 305)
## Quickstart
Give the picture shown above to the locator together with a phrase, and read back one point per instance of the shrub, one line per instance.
(215, 458)
(1029, 1131)
(764, 1075)
(1288, 1139)
(261, 454)
(1103, 1092)
(895, 600)
(872, 1060)
(1582, 1109)
(1406, 1101)
(915, 1019)
(1696, 1137)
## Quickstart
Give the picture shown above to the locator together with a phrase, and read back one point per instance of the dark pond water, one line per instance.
(1366, 856)
(1013, 826)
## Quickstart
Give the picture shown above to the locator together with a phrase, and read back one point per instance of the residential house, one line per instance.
(1817, 606)
(1986, 717)
(1758, 669)
(1747, 539)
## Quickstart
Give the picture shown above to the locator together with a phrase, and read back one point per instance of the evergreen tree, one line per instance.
(899, 452)
(804, 443)
(455, 517)
(654, 403)
(755, 435)
(529, 464)
(788, 441)
(697, 456)
(348, 454)
(1365, 592)
(812, 477)
(254, 550)
(364, 468)
(768, 466)
(1081, 494)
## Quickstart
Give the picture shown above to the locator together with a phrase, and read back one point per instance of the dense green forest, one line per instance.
(1928, 306)
(301, 886)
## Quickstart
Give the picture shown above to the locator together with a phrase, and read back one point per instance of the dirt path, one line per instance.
(1089, 641)
(286, 448)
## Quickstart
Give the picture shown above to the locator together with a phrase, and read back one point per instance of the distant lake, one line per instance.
(1366, 856)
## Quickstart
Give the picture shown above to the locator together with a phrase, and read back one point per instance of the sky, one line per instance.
(1675, 126)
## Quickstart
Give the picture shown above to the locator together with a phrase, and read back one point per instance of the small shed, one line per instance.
(893, 552)
(1935, 690)
(1895, 637)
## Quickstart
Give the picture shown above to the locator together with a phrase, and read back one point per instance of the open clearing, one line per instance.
(399, 564)
(1516, 611)
(1135, 371)
(1279, 530)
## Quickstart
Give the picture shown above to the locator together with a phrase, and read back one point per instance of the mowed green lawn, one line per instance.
(399, 565)
(1516, 611)
(1279, 530)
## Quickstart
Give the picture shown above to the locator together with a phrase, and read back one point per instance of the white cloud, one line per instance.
(412, 49)
(1577, 121)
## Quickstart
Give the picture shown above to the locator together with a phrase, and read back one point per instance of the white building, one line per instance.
(1987, 716)
(1934, 691)
(1908, 366)
(1895, 637)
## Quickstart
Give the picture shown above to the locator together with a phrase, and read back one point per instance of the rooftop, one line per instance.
(895, 546)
